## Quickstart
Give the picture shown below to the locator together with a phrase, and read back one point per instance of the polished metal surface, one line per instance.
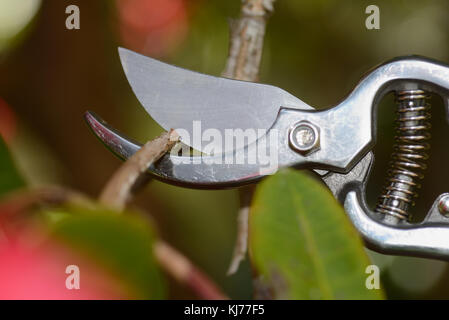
(423, 240)
(347, 131)
(408, 160)
(176, 97)
(215, 171)
(119, 144)
(443, 205)
(426, 239)
(304, 137)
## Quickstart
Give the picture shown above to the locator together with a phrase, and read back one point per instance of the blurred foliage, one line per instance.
(15, 17)
(121, 243)
(302, 245)
(317, 50)
(10, 178)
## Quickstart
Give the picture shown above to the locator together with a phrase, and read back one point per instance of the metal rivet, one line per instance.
(305, 137)
(443, 205)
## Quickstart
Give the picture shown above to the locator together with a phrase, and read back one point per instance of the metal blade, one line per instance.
(172, 169)
(175, 98)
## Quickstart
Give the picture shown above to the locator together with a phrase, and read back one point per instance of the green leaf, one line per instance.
(302, 245)
(10, 179)
(121, 243)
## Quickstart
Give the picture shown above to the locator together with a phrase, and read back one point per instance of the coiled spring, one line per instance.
(408, 159)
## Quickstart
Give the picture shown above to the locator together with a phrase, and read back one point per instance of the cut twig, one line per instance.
(243, 63)
(118, 192)
(241, 243)
(120, 187)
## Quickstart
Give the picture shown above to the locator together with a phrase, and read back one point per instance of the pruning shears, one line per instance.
(245, 131)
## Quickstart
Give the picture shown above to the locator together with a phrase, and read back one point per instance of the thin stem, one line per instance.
(243, 63)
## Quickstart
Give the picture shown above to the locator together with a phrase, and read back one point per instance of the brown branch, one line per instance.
(241, 244)
(120, 187)
(118, 192)
(115, 195)
(243, 63)
(246, 41)
(17, 202)
(185, 272)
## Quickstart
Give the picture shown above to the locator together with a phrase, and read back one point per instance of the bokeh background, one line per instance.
(315, 49)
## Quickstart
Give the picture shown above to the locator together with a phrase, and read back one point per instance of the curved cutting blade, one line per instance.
(176, 98)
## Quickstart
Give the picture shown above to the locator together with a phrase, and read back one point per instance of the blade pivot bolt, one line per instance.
(304, 137)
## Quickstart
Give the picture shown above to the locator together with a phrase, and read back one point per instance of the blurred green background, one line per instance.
(315, 49)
